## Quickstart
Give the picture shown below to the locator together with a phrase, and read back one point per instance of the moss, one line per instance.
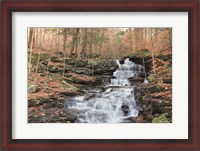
(151, 77)
(161, 119)
(43, 100)
(34, 58)
(33, 88)
(66, 86)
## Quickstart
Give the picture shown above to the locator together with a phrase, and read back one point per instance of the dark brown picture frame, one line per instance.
(9, 6)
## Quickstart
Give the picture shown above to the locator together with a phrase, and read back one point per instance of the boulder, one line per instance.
(125, 109)
(152, 77)
(81, 63)
(55, 59)
(37, 102)
(83, 71)
(70, 61)
(136, 79)
(52, 69)
(33, 88)
(68, 93)
(82, 82)
(167, 80)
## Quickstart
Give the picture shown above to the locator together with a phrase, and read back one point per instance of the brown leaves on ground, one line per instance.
(51, 84)
(83, 77)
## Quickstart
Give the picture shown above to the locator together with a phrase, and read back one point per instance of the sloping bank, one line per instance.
(155, 97)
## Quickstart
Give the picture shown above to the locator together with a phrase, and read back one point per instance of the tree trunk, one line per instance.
(91, 41)
(101, 44)
(65, 39)
(152, 53)
(131, 41)
(58, 39)
(30, 37)
(76, 48)
(31, 50)
(170, 37)
(136, 39)
(40, 38)
(83, 51)
(74, 41)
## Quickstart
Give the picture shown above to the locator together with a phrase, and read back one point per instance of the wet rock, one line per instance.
(82, 81)
(52, 69)
(68, 93)
(125, 108)
(89, 96)
(105, 68)
(139, 60)
(167, 80)
(69, 102)
(136, 79)
(121, 61)
(70, 117)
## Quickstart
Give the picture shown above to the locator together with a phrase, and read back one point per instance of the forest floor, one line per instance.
(54, 78)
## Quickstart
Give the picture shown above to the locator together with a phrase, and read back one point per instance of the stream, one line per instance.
(114, 102)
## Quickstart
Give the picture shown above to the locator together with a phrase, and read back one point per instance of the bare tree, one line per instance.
(83, 51)
(74, 41)
(101, 44)
(65, 39)
(31, 48)
(152, 53)
(91, 41)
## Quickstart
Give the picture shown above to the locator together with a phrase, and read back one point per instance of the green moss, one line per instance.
(92, 62)
(151, 77)
(34, 58)
(161, 119)
(66, 86)
(43, 100)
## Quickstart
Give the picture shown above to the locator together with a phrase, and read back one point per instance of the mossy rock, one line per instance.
(37, 102)
(35, 57)
(55, 59)
(81, 63)
(161, 119)
(152, 77)
(43, 100)
(68, 68)
(33, 88)
(68, 75)
(52, 69)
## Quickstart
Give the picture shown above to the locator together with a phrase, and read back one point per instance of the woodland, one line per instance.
(77, 75)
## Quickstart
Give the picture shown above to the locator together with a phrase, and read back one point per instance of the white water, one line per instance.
(115, 104)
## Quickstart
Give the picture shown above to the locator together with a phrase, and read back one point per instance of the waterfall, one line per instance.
(115, 103)
(125, 71)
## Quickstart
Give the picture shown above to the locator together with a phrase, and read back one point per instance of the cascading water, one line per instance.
(115, 103)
